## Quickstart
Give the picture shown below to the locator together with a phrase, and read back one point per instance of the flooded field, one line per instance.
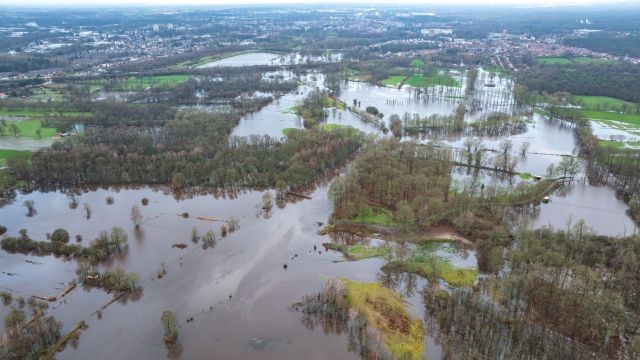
(233, 299)
(265, 58)
(23, 143)
(237, 293)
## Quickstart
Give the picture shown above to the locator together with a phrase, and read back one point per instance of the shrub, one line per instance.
(60, 236)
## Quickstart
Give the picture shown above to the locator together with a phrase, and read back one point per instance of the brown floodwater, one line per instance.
(233, 300)
(237, 293)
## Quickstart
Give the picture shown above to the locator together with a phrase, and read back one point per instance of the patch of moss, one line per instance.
(359, 252)
(386, 311)
(437, 268)
(374, 216)
(525, 176)
(424, 262)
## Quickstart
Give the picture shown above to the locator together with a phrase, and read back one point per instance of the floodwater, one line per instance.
(265, 58)
(237, 293)
(596, 205)
(233, 300)
(24, 143)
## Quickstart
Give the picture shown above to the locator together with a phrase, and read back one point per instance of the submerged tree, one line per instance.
(136, 216)
(30, 205)
(118, 237)
(170, 324)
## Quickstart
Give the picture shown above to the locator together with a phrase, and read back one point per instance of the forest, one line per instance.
(193, 149)
(619, 80)
(569, 294)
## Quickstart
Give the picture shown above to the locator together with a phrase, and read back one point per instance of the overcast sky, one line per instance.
(20, 3)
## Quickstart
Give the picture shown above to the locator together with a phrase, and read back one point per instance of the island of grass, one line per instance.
(434, 78)
(143, 82)
(633, 119)
(422, 81)
(552, 60)
(418, 63)
(13, 154)
(325, 127)
(31, 128)
(600, 102)
(619, 145)
(393, 81)
(615, 119)
(359, 251)
(376, 312)
(422, 261)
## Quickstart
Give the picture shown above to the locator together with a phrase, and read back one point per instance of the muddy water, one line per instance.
(596, 205)
(22, 143)
(238, 293)
(255, 322)
(264, 58)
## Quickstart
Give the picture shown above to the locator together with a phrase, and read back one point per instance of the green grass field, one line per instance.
(28, 129)
(418, 63)
(39, 113)
(588, 60)
(633, 119)
(548, 60)
(620, 145)
(141, 83)
(426, 81)
(592, 102)
(394, 80)
(9, 154)
(375, 216)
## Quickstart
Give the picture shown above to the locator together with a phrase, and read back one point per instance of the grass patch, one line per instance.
(422, 81)
(374, 216)
(590, 60)
(550, 60)
(619, 145)
(424, 262)
(394, 80)
(386, 311)
(525, 176)
(330, 102)
(331, 127)
(614, 116)
(418, 63)
(11, 154)
(324, 127)
(28, 128)
(359, 252)
(143, 82)
(593, 102)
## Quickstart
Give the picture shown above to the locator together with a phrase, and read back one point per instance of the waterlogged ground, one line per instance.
(233, 300)
(271, 59)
